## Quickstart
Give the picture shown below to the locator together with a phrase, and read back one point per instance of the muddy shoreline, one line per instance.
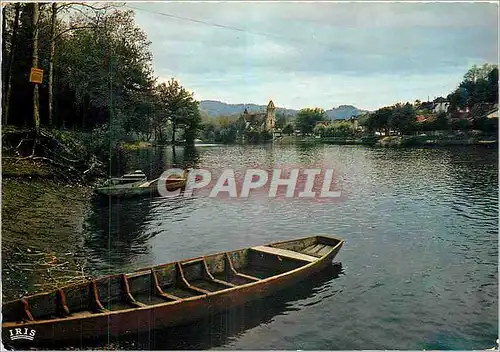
(42, 235)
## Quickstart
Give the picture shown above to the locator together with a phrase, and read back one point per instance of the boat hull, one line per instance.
(137, 320)
(128, 192)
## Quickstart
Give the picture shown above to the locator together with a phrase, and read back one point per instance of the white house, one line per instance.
(441, 107)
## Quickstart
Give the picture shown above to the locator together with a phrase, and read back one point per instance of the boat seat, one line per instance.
(285, 253)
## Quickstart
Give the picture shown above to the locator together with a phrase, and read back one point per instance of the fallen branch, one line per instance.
(22, 141)
(74, 161)
(54, 266)
(56, 163)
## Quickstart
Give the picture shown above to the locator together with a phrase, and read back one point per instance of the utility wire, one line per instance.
(241, 30)
(340, 48)
(205, 22)
(221, 25)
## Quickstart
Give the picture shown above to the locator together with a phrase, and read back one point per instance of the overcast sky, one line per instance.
(319, 54)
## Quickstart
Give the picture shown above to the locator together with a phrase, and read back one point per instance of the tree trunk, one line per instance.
(36, 112)
(51, 61)
(173, 133)
(4, 52)
(8, 77)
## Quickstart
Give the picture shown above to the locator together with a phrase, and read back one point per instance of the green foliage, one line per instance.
(106, 69)
(441, 122)
(335, 129)
(288, 129)
(402, 118)
(252, 136)
(103, 77)
(280, 120)
(265, 136)
(319, 130)
(177, 107)
(479, 85)
(486, 124)
(307, 119)
(222, 129)
(478, 91)
(477, 73)
(379, 120)
(369, 140)
(343, 129)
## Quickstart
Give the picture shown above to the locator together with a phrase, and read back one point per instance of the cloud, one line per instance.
(319, 53)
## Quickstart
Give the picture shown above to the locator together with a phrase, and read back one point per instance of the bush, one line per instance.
(369, 140)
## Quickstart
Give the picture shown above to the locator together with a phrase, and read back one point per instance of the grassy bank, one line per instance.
(42, 217)
(135, 145)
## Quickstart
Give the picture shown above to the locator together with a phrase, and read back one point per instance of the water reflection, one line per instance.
(115, 231)
(153, 161)
(182, 157)
(118, 230)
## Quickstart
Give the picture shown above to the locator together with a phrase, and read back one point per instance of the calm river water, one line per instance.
(419, 264)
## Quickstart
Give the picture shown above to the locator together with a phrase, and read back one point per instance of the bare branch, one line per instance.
(67, 5)
(72, 29)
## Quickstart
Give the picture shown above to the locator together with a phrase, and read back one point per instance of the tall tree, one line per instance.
(493, 86)
(307, 119)
(179, 108)
(4, 46)
(55, 34)
(379, 120)
(8, 71)
(36, 110)
(51, 58)
(110, 71)
(479, 86)
(402, 118)
(476, 73)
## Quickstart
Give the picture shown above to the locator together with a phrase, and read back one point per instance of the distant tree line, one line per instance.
(229, 129)
(478, 92)
(469, 104)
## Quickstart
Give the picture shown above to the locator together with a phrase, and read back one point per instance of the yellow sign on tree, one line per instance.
(36, 75)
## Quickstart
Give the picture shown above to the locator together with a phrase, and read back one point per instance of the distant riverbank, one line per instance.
(374, 141)
(396, 141)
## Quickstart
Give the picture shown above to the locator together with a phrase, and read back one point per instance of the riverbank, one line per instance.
(42, 219)
(401, 141)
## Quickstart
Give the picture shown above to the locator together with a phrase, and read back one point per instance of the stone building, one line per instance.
(262, 121)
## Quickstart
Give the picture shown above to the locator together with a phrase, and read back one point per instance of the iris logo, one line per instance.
(22, 334)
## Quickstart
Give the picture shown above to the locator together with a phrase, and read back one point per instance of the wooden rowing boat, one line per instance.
(136, 176)
(167, 295)
(141, 188)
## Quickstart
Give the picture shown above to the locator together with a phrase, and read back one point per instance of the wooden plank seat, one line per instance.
(285, 253)
(317, 250)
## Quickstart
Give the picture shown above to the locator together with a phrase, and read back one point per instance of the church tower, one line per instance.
(270, 116)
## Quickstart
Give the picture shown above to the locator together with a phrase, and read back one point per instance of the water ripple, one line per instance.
(419, 262)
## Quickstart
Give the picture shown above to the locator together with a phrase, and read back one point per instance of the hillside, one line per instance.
(214, 108)
(344, 112)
